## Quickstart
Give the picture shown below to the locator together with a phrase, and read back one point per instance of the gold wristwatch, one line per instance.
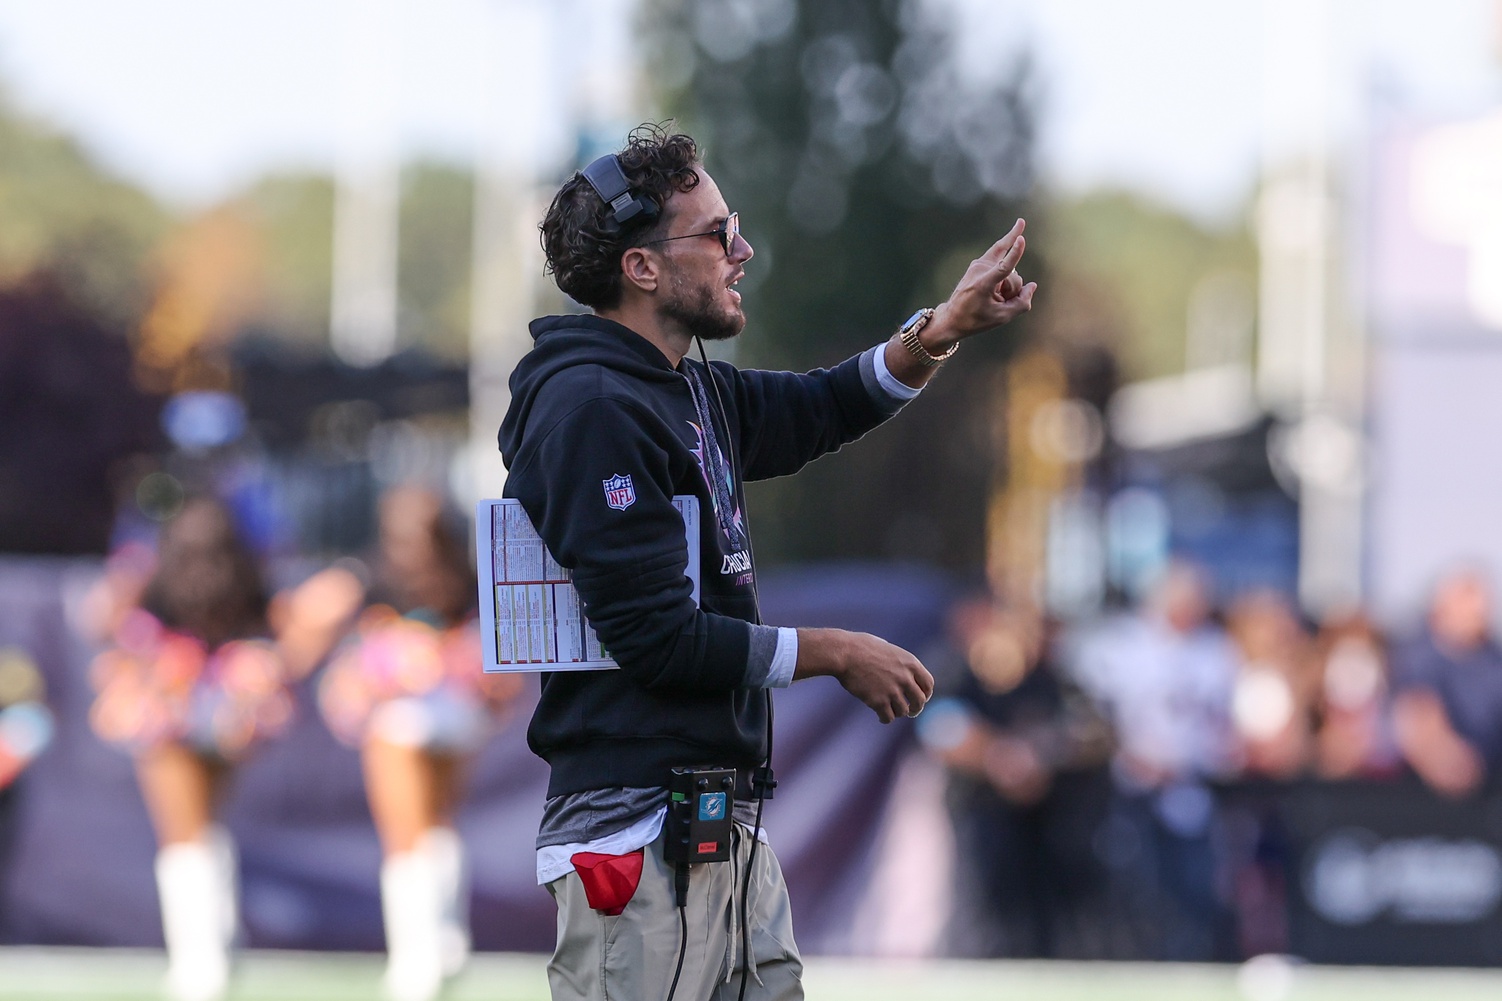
(909, 332)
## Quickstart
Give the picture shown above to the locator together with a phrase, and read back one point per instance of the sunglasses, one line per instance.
(727, 232)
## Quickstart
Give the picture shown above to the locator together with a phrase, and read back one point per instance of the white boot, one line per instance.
(195, 901)
(445, 849)
(227, 873)
(412, 909)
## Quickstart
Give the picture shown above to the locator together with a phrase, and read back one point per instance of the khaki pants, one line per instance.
(631, 957)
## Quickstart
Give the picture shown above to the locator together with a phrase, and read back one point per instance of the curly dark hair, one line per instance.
(581, 240)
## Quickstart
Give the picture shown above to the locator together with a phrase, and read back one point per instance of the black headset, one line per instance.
(609, 181)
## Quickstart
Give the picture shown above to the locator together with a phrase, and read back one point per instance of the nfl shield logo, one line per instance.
(619, 492)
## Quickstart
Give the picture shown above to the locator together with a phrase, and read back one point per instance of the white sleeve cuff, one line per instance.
(780, 674)
(889, 382)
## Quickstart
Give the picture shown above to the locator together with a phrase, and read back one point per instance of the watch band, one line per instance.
(909, 332)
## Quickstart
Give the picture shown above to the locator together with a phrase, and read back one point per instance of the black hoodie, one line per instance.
(601, 433)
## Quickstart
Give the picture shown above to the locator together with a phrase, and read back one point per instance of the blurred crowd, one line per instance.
(1089, 765)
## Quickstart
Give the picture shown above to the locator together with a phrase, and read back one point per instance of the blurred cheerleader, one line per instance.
(409, 691)
(193, 682)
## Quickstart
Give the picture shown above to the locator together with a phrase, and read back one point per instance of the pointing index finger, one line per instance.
(1008, 263)
(1000, 247)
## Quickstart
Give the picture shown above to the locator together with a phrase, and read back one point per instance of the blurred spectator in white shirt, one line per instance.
(1164, 676)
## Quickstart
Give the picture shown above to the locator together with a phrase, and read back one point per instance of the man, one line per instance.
(1029, 786)
(609, 421)
(1447, 706)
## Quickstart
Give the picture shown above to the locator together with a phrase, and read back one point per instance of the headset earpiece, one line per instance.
(609, 181)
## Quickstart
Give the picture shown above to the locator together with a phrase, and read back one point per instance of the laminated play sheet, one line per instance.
(531, 616)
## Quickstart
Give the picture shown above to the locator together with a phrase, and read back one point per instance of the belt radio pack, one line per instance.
(699, 806)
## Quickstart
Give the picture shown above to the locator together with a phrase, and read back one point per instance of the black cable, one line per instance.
(680, 893)
(761, 789)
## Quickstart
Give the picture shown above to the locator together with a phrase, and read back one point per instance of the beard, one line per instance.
(696, 308)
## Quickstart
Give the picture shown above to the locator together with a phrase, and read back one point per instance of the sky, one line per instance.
(1184, 99)
(1179, 99)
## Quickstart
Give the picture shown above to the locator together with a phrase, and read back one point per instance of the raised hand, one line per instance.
(990, 293)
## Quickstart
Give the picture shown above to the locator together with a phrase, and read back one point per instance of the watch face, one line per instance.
(913, 319)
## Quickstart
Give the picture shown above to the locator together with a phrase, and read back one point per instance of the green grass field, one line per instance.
(120, 975)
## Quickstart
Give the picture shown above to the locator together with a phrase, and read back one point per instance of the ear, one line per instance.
(640, 269)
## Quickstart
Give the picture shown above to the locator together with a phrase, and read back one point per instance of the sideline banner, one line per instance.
(1388, 873)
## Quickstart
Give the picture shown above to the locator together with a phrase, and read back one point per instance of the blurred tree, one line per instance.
(69, 414)
(295, 215)
(433, 279)
(1169, 292)
(208, 283)
(61, 212)
(868, 170)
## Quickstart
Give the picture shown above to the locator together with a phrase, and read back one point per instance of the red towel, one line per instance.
(610, 881)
